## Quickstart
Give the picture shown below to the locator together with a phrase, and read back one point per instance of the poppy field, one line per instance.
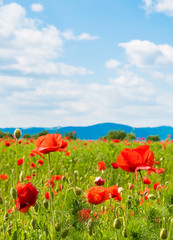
(57, 188)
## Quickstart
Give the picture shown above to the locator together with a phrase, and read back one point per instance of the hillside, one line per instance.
(99, 130)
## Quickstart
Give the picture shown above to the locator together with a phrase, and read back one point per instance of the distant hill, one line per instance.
(96, 131)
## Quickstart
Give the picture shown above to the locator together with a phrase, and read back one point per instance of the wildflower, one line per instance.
(49, 143)
(113, 190)
(101, 165)
(140, 158)
(96, 195)
(20, 161)
(27, 196)
(146, 180)
(99, 181)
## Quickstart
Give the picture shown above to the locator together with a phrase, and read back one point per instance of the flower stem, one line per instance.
(148, 232)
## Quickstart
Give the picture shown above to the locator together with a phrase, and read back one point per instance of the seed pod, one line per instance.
(22, 176)
(13, 193)
(163, 233)
(64, 233)
(46, 204)
(17, 133)
(124, 233)
(77, 191)
(152, 196)
(57, 227)
(117, 223)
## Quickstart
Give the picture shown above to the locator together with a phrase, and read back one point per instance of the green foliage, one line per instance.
(130, 136)
(153, 138)
(115, 135)
(3, 134)
(40, 134)
(26, 135)
(71, 135)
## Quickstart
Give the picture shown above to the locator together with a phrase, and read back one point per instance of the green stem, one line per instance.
(148, 232)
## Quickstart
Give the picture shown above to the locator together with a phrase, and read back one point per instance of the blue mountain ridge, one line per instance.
(96, 131)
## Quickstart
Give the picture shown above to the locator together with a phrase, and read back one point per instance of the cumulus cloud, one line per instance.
(112, 63)
(36, 7)
(27, 47)
(148, 54)
(159, 6)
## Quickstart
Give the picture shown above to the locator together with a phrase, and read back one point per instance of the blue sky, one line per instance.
(79, 63)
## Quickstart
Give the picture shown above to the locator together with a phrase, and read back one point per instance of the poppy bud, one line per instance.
(64, 233)
(13, 193)
(36, 207)
(33, 223)
(163, 233)
(46, 204)
(22, 176)
(17, 133)
(117, 223)
(57, 227)
(124, 233)
(1, 201)
(151, 196)
(129, 204)
(90, 226)
(77, 191)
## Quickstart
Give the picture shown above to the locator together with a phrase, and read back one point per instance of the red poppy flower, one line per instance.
(50, 143)
(84, 214)
(99, 181)
(20, 161)
(146, 180)
(32, 165)
(40, 162)
(3, 176)
(140, 158)
(96, 195)
(52, 184)
(47, 196)
(101, 165)
(114, 165)
(113, 190)
(27, 196)
(67, 153)
(28, 178)
(57, 177)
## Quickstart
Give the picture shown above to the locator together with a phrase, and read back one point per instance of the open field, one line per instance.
(61, 208)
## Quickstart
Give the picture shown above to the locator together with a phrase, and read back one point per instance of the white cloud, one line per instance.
(69, 35)
(112, 63)
(36, 7)
(159, 6)
(27, 47)
(148, 54)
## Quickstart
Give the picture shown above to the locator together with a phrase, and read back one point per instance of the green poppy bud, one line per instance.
(117, 223)
(46, 204)
(163, 233)
(57, 227)
(124, 233)
(17, 133)
(64, 233)
(13, 193)
(152, 196)
(22, 176)
(77, 191)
